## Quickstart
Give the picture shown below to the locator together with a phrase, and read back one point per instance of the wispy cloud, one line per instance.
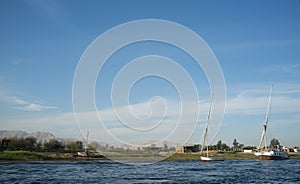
(244, 104)
(257, 44)
(247, 102)
(292, 69)
(28, 106)
(252, 99)
(18, 103)
(49, 8)
(19, 61)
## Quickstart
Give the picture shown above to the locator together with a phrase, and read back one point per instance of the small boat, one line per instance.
(265, 153)
(81, 154)
(85, 153)
(208, 159)
(205, 144)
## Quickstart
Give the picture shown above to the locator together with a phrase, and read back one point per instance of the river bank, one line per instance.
(225, 155)
(41, 156)
(45, 156)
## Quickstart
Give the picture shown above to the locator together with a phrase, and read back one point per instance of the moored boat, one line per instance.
(81, 154)
(209, 159)
(272, 155)
(265, 153)
(203, 158)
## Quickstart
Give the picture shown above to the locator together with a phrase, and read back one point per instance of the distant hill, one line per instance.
(12, 133)
(40, 136)
(47, 136)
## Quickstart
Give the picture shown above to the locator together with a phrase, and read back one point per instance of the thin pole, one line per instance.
(205, 142)
(87, 141)
(263, 136)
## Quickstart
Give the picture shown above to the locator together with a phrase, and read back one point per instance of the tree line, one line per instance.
(236, 146)
(31, 144)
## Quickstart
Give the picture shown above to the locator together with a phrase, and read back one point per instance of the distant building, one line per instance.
(295, 149)
(4, 142)
(288, 150)
(248, 151)
(153, 147)
(237, 149)
(188, 149)
(180, 149)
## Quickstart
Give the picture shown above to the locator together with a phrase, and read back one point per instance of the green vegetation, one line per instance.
(183, 157)
(53, 144)
(28, 144)
(225, 155)
(221, 146)
(274, 143)
(196, 156)
(74, 146)
(39, 156)
(28, 149)
(31, 144)
(294, 155)
(21, 156)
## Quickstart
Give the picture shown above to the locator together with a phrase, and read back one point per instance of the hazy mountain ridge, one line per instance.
(12, 133)
(40, 136)
(47, 136)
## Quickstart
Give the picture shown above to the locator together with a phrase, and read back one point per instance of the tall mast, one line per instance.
(263, 135)
(87, 141)
(205, 142)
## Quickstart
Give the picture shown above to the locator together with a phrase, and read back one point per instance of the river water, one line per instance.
(250, 171)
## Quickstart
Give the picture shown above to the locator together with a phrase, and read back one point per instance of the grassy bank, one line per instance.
(196, 156)
(40, 156)
(225, 155)
(21, 156)
(294, 155)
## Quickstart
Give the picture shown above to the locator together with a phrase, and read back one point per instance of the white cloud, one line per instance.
(64, 124)
(247, 102)
(49, 8)
(287, 68)
(286, 99)
(18, 103)
(28, 106)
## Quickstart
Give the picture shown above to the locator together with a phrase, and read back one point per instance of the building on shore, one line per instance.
(295, 149)
(4, 142)
(248, 151)
(188, 149)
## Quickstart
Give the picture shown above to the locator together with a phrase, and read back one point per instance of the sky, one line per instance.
(256, 43)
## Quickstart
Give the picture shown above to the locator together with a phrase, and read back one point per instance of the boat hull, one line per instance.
(207, 159)
(81, 154)
(271, 155)
(267, 157)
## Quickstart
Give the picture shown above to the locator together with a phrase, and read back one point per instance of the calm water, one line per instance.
(253, 171)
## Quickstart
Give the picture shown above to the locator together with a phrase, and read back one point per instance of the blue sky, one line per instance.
(256, 42)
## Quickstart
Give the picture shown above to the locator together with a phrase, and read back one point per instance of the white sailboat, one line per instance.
(85, 153)
(205, 142)
(263, 152)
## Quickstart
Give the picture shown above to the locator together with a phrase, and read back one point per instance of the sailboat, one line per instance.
(85, 153)
(264, 153)
(205, 142)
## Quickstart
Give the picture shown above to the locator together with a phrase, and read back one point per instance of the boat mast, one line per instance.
(263, 135)
(205, 142)
(87, 141)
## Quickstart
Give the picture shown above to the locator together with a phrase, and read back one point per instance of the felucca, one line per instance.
(265, 153)
(205, 142)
